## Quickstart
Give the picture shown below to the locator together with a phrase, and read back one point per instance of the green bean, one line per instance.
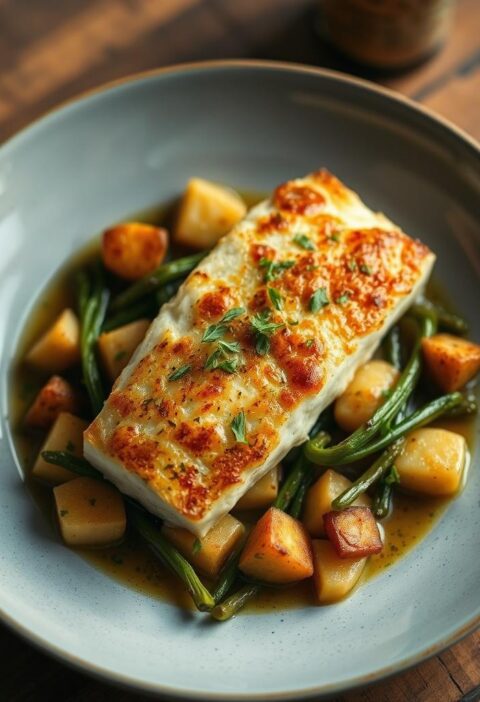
(426, 414)
(446, 320)
(171, 558)
(227, 578)
(296, 475)
(164, 274)
(374, 473)
(383, 497)
(92, 305)
(234, 603)
(466, 408)
(341, 453)
(392, 347)
(144, 524)
(140, 310)
(296, 506)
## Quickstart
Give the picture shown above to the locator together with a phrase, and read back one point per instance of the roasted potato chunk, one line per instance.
(320, 497)
(59, 347)
(56, 396)
(353, 532)
(333, 577)
(209, 553)
(364, 394)
(207, 212)
(116, 347)
(451, 361)
(277, 550)
(432, 461)
(262, 494)
(90, 512)
(132, 249)
(66, 434)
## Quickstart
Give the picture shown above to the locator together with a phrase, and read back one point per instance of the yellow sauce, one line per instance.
(131, 562)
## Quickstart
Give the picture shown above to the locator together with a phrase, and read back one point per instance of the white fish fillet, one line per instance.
(346, 274)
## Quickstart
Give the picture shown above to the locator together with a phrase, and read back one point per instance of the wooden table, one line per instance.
(51, 50)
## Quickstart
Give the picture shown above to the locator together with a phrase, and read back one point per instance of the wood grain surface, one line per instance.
(51, 50)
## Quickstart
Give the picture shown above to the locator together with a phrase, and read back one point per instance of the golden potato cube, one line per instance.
(65, 435)
(59, 347)
(207, 212)
(320, 497)
(432, 461)
(209, 553)
(116, 347)
(262, 494)
(452, 361)
(90, 512)
(56, 396)
(364, 394)
(333, 577)
(132, 250)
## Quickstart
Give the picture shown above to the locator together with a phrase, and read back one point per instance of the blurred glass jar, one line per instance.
(387, 33)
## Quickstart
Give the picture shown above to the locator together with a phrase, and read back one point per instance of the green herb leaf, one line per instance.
(197, 547)
(352, 265)
(230, 365)
(303, 241)
(342, 299)
(292, 322)
(334, 237)
(309, 343)
(273, 269)
(318, 300)
(239, 428)
(275, 298)
(261, 324)
(229, 346)
(365, 269)
(180, 372)
(262, 344)
(213, 360)
(215, 331)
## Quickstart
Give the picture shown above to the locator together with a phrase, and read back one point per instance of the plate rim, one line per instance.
(107, 675)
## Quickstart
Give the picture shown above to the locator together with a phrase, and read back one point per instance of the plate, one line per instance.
(131, 145)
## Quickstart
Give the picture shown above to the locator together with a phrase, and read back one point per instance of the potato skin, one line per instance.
(364, 394)
(56, 396)
(353, 532)
(451, 361)
(131, 250)
(278, 549)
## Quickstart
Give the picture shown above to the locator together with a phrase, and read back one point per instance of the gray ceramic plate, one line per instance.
(252, 125)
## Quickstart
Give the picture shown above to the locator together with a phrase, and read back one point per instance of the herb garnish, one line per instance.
(365, 269)
(334, 237)
(275, 298)
(273, 268)
(196, 547)
(342, 299)
(318, 300)
(180, 372)
(303, 241)
(352, 265)
(239, 428)
(216, 331)
(263, 328)
(219, 357)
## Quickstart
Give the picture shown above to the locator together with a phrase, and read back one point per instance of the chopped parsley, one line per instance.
(304, 242)
(263, 329)
(275, 298)
(352, 265)
(180, 372)
(219, 358)
(334, 237)
(342, 299)
(309, 343)
(215, 331)
(229, 365)
(365, 269)
(239, 428)
(318, 300)
(196, 547)
(273, 268)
